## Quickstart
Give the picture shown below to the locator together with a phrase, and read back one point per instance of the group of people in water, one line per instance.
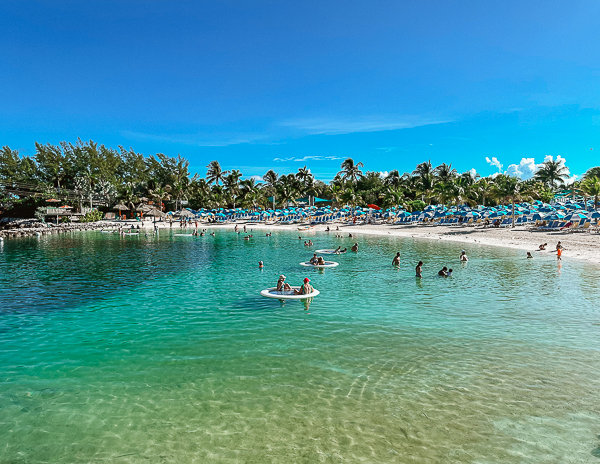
(542, 247)
(305, 289)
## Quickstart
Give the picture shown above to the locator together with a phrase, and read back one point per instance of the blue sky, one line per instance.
(276, 84)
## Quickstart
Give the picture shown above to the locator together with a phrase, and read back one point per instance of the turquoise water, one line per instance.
(161, 350)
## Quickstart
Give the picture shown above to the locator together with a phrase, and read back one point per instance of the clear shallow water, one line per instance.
(149, 350)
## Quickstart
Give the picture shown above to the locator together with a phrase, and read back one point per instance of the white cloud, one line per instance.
(323, 126)
(527, 167)
(384, 174)
(310, 158)
(256, 178)
(473, 172)
(494, 162)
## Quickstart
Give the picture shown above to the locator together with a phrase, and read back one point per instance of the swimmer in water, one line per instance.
(463, 256)
(337, 251)
(542, 247)
(419, 269)
(529, 255)
(443, 272)
(396, 260)
(260, 265)
(449, 272)
(320, 261)
(354, 247)
(314, 259)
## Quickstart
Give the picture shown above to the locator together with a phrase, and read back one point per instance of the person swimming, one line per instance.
(314, 259)
(529, 255)
(305, 289)
(463, 256)
(419, 269)
(443, 272)
(260, 265)
(320, 261)
(396, 260)
(354, 247)
(282, 285)
(449, 272)
(337, 250)
(542, 247)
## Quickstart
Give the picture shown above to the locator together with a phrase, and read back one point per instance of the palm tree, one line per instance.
(425, 175)
(552, 173)
(335, 192)
(351, 197)
(351, 171)
(270, 179)
(393, 179)
(445, 172)
(483, 188)
(446, 192)
(593, 172)
(231, 183)
(591, 187)
(391, 197)
(512, 189)
(214, 174)
(287, 189)
(160, 194)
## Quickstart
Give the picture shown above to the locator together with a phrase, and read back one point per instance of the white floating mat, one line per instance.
(287, 295)
(321, 266)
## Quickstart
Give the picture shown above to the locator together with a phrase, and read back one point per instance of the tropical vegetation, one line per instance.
(90, 174)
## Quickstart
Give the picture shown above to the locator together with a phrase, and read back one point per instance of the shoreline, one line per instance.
(577, 245)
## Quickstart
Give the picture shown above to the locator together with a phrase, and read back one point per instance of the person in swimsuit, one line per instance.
(463, 256)
(559, 254)
(443, 272)
(260, 265)
(543, 247)
(559, 246)
(396, 260)
(281, 285)
(305, 289)
(354, 247)
(419, 269)
(314, 259)
(320, 261)
(449, 272)
(343, 251)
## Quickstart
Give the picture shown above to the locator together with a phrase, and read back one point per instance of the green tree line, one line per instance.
(86, 170)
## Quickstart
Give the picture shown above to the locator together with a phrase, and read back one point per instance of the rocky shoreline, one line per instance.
(15, 228)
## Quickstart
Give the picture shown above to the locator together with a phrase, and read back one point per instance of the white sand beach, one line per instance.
(579, 245)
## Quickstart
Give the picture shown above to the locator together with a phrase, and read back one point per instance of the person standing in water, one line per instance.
(396, 260)
(419, 269)
(463, 256)
(354, 247)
